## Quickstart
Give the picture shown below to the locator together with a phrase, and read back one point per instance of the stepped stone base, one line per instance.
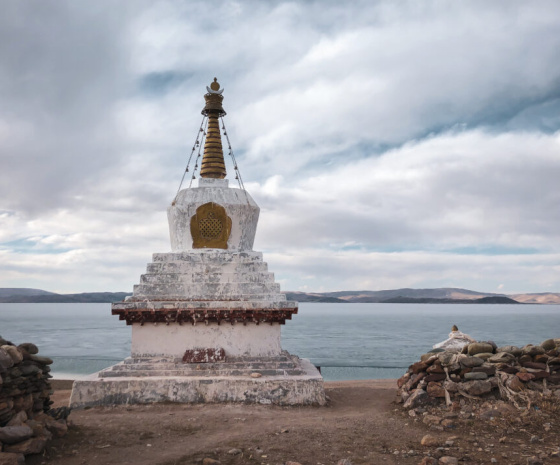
(285, 380)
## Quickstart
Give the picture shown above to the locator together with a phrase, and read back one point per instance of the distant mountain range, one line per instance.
(23, 295)
(440, 295)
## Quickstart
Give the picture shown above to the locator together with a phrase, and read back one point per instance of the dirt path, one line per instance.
(361, 423)
(355, 425)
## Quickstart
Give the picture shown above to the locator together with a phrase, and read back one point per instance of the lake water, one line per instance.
(348, 341)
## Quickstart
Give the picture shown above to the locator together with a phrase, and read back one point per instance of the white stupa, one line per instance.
(206, 318)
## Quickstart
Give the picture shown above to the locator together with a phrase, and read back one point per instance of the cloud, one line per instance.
(387, 144)
(463, 189)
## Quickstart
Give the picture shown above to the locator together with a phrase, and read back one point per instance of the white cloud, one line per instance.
(387, 144)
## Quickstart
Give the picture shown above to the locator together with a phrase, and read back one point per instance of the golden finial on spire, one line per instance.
(213, 165)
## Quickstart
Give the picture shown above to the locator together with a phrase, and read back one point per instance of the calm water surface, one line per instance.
(349, 341)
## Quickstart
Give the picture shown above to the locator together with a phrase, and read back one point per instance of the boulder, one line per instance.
(435, 390)
(540, 375)
(484, 356)
(39, 429)
(507, 369)
(532, 350)
(27, 370)
(13, 352)
(5, 360)
(515, 384)
(451, 386)
(29, 348)
(485, 368)
(18, 419)
(534, 365)
(476, 387)
(542, 358)
(435, 377)
(549, 344)
(413, 382)
(430, 356)
(469, 362)
(435, 368)
(525, 376)
(57, 427)
(8, 458)
(475, 376)
(14, 434)
(446, 358)
(30, 446)
(418, 367)
(403, 380)
(417, 398)
(41, 360)
(479, 348)
(502, 357)
(513, 350)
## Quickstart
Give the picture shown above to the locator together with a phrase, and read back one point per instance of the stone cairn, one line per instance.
(26, 420)
(481, 370)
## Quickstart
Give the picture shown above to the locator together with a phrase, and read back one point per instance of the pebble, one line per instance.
(448, 423)
(429, 441)
(209, 461)
(344, 462)
(256, 375)
(235, 451)
(447, 460)
(431, 420)
(428, 461)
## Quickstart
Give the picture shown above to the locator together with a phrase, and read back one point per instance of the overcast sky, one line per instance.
(388, 144)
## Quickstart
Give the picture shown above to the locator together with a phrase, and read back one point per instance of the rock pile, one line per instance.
(483, 370)
(25, 425)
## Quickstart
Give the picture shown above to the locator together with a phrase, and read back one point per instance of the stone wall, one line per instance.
(26, 421)
(482, 370)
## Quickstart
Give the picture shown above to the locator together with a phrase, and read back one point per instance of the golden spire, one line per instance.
(213, 165)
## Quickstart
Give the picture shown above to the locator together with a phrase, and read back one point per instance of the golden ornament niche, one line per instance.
(210, 227)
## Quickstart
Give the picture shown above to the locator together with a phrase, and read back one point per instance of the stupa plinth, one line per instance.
(206, 317)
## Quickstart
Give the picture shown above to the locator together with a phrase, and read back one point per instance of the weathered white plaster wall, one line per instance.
(239, 206)
(237, 340)
(208, 274)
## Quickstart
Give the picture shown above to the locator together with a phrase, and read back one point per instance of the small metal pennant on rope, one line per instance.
(196, 143)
